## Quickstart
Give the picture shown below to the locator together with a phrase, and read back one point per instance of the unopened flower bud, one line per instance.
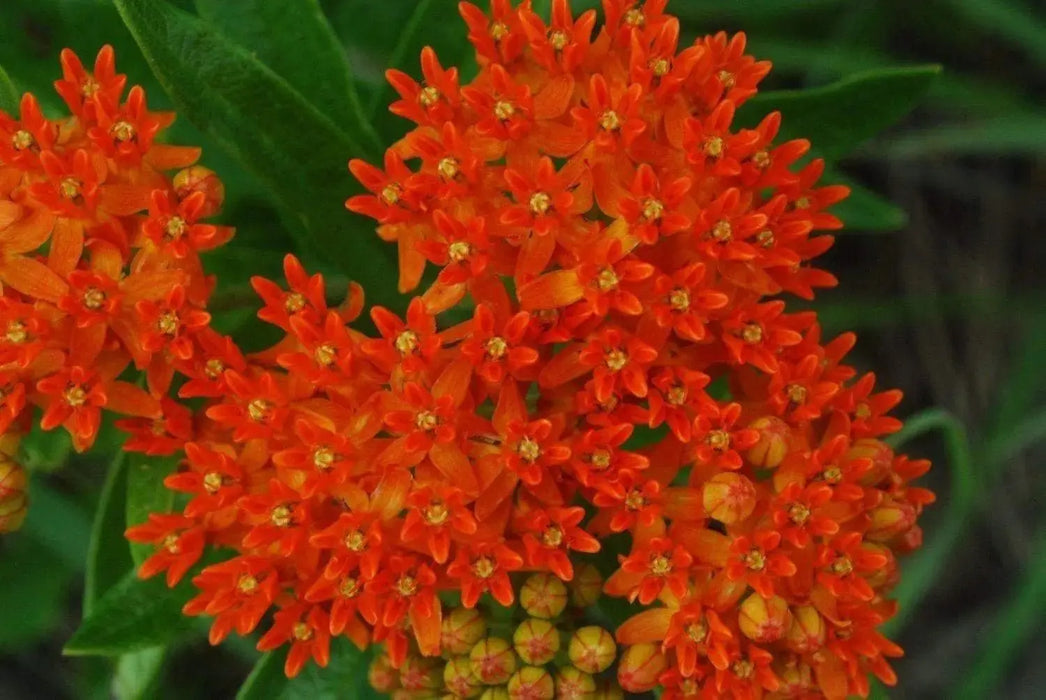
(421, 673)
(531, 683)
(797, 679)
(462, 628)
(12, 495)
(459, 679)
(729, 497)
(884, 576)
(807, 631)
(493, 660)
(586, 587)
(574, 684)
(382, 676)
(640, 666)
(197, 178)
(764, 619)
(774, 438)
(592, 649)
(878, 453)
(536, 641)
(889, 519)
(543, 595)
(497, 693)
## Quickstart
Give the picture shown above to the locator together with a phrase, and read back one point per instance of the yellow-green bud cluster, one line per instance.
(12, 485)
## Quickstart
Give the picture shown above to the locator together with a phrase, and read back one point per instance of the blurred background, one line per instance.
(941, 276)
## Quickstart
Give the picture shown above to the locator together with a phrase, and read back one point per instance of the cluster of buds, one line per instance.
(99, 268)
(12, 484)
(618, 244)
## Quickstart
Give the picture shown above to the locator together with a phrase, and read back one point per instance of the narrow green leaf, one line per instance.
(107, 554)
(297, 152)
(132, 616)
(1018, 25)
(1011, 134)
(138, 674)
(344, 677)
(840, 116)
(9, 95)
(295, 40)
(147, 494)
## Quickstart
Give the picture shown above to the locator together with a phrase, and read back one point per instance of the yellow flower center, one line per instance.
(448, 168)
(863, 411)
(426, 420)
(676, 396)
(660, 66)
(483, 568)
(258, 410)
(498, 31)
(175, 228)
(22, 140)
(635, 500)
(294, 302)
(436, 514)
(503, 110)
(212, 482)
(755, 560)
(349, 588)
(170, 543)
(540, 203)
(679, 299)
(798, 513)
(529, 450)
(635, 17)
(89, 87)
(390, 194)
(652, 209)
(660, 565)
(168, 323)
(752, 333)
(832, 474)
(75, 396)
(802, 203)
(69, 188)
(552, 536)
(459, 251)
(616, 360)
(280, 516)
(607, 279)
(428, 96)
(743, 669)
(213, 368)
(558, 39)
(842, 566)
(718, 440)
(247, 584)
(726, 78)
(407, 342)
(302, 632)
(796, 393)
(16, 332)
(761, 159)
(325, 354)
(601, 459)
(406, 586)
(496, 348)
(609, 121)
(722, 231)
(94, 298)
(714, 147)
(697, 631)
(123, 131)
(765, 238)
(323, 458)
(355, 541)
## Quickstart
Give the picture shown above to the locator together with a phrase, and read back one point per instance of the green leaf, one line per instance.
(1020, 26)
(864, 210)
(9, 95)
(34, 583)
(840, 116)
(107, 555)
(344, 677)
(1022, 134)
(138, 674)
(295, 40)
(147, 494)
(296, 151)
(132, 616)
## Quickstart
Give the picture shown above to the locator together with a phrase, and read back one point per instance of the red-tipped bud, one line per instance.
(889, 519)
(531, 683)
(807, 631)
(797, 680)
(536, 641)
(728, 497)
(462, 628)
(382, 676)
(574, 684)
(592, 649)
(12, 495)
(762, 619)
(498, 693)
(421, 673)
(493, 660)
(586, 587)
(640, 667)
(197, 178)
(459, 679)
(878, 452)
(774, 439)
(543, 595)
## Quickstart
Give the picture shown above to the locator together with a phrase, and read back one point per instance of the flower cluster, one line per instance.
(626, 379)
(99, 263)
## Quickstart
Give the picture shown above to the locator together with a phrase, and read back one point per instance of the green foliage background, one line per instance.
(943, 285)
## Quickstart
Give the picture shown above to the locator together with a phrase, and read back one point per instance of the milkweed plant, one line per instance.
(601, 448)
